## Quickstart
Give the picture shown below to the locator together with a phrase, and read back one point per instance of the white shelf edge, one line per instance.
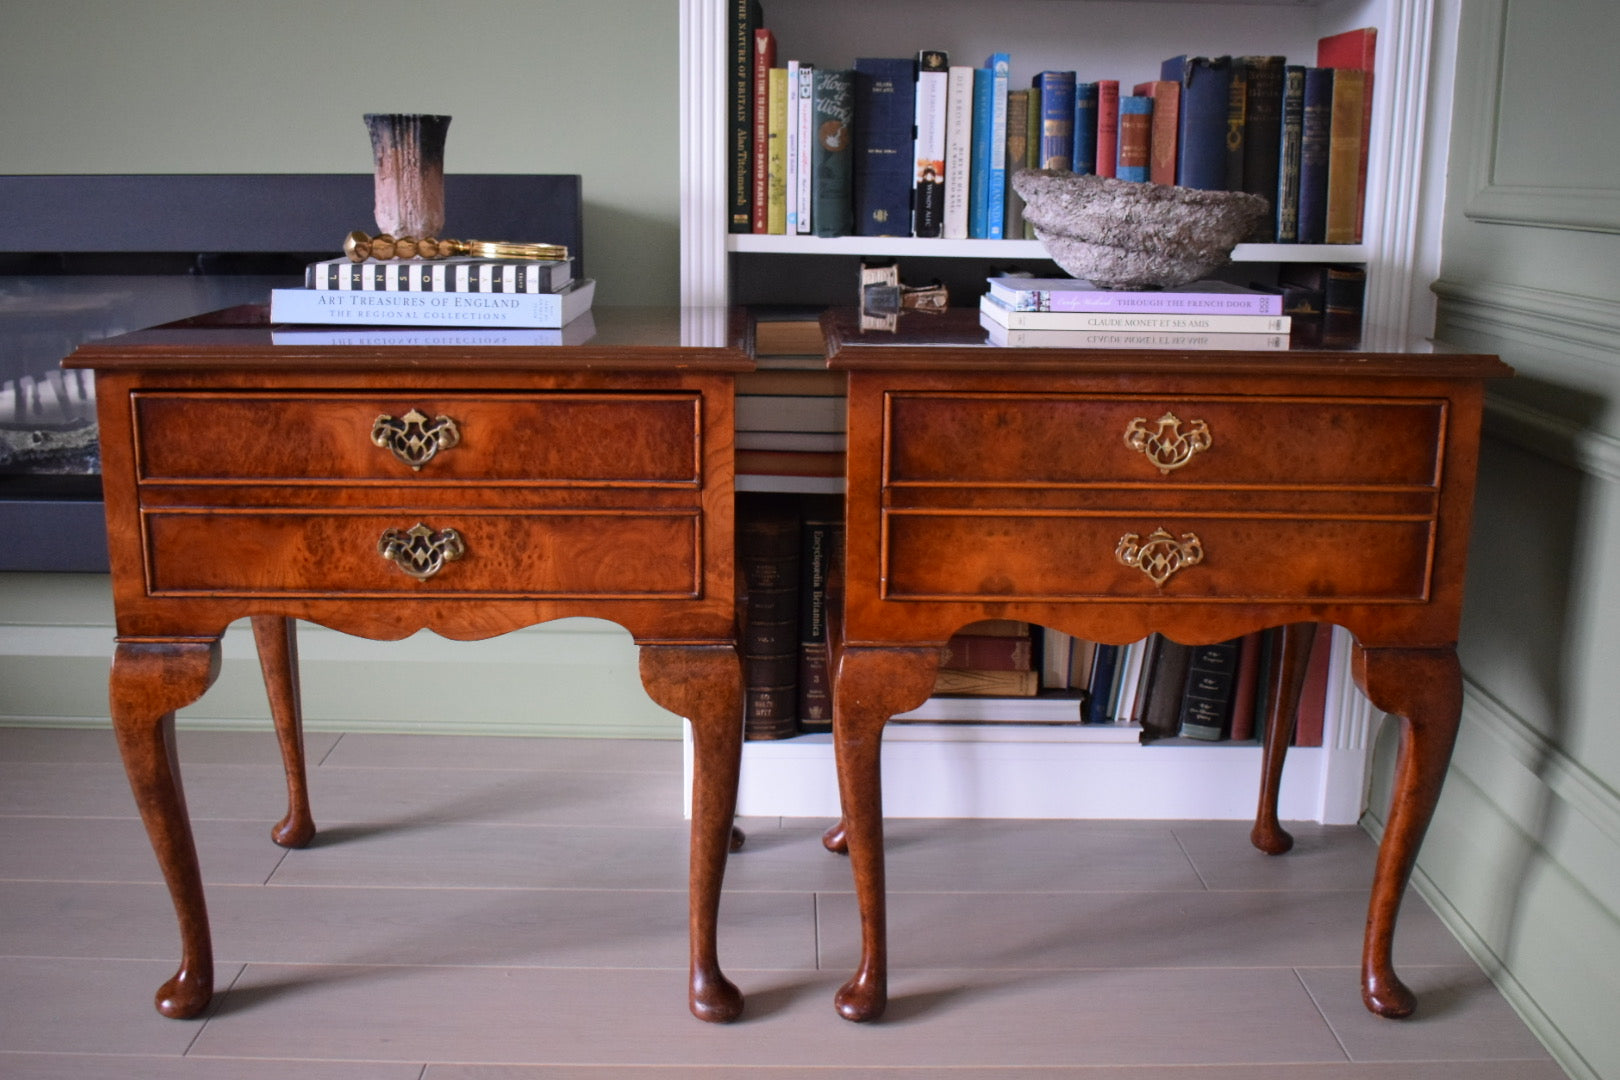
(919, 246)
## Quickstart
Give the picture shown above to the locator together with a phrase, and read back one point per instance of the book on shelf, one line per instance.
(787, 330)
(1161, 711)
(1131, 320)
(448, 309)
(1206, 697)
(1310, 718)
(989, 652)
(1032, 160)
(820, 529)
(460, 273)
(789, 412)
(1344, 156)
(1085, 127)
(1262, 135)
(1355, 49)
(1017, 157)
(1106, 159)
(575, 332)
(832, 153)
(1100, 683)
(1057, 652)
(979, 155)
(1206, 84)
(1316, 125)
(768, 573)
(790, 154)
(745, 17)
(1001, 337)
(1009, 684)
(958, 150)
(1245, 692)
(764, 58)
(1337, 291)
(928, 156)
(1057, 114)
(1135, 141)
(885, 108)
(1077, 294)
(1166, 127)
(1000, 65)
(776, 153)
(1237, 106)
(803, 163)
(825, 464)
(1289, 147)
(1128, 696)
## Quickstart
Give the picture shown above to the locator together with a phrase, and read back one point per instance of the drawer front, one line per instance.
(557, 439)
(1079, 439)
(536, 555)
(1099, 558)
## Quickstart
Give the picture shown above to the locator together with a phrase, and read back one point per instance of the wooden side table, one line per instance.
(1113, 493)
(379, 486)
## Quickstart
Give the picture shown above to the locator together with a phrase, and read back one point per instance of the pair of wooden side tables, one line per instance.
(378, 485)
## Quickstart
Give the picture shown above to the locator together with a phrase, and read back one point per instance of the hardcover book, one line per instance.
(1206, 698)
(776, 154)
(790, 116)
(332, 307)
(1076, 294)
(745, 19)
(1057, 114)
(1179, 341)
(819, 532)
(1018, 157)
(1262, 136)
(832, 152)
(1205, 91)
(768, 569)
(764, 59)
(1166, 97)
(885, 108)
(804, 159)
(1000, 65)
(1127, 320)
(928, 159)
(456, 274)
(979, 171)
(1135, 138)
(1344, 156)
(1107, 163)
(1085, 127)
(958, 150)
(1316, 121)
(1355, 49)
(1288, 154)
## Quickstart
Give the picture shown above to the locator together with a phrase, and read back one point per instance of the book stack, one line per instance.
(991, 658)
(454, 294)
(1022, 312)
(915, 145)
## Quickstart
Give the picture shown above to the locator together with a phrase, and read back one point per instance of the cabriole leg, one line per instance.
(277, 640)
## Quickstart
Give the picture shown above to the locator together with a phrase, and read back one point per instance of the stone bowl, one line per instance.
(1120, 234)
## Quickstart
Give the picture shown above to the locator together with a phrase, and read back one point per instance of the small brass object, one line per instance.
(1168, 447)
(1161, 555)
(420, 551)
(413, 438)
(360, 246)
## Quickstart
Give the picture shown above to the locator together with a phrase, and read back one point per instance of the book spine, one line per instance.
(1355, 49)
(1135, 138)
(805, 105)
(1262, 137)
(1121, 320)
(1000, 65)
(1237, 111)
(987, 683)
(1057, 119)
(1315, 131)
(958, 151)
(1344, 155)
(929, 178)
(745, 19)
(1161, 713)
(1166, 97)
(1032, 156)
(1344, 296)
(832, 213)
(764, 59)
(987, 652)
(1206, 699)
(1290, 136)
(1143, 303)
(1085, 127)
(790, 132)
(423, 308)
(1107, 127)
(1100, 683)
(1201, 150)
(768, 563)
(885, 95)
(1245, 692)
(817, 548)
(1017, 157)
(776, 155)
(979, 174)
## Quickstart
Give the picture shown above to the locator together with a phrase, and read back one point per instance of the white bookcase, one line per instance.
(1002, 769)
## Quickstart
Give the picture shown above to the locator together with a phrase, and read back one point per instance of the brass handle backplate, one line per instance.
(1167, 446)
(420, 551)
(413, 438)
(1160, 555)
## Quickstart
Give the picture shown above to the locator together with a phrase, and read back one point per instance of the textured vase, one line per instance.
(407, 151)
(1120, 234)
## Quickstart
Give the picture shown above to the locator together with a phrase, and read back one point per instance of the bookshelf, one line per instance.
(1124, 39)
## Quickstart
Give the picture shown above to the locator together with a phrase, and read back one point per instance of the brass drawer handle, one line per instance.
(1160, 555)
(1168, 447)
(413, 438)
(420, 551)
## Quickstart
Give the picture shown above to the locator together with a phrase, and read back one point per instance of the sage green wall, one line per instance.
(1523, 858)
(110, 86)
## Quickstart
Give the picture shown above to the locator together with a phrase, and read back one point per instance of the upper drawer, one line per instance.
(1079, 439)
(561, 438)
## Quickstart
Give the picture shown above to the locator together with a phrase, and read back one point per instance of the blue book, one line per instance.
(1135, 138)
(995, 196)
(1206, 85)
(885, 110)
(1085, 127)
(1315, 125)
(1100, 687)
(1057, 119)
(979, 174)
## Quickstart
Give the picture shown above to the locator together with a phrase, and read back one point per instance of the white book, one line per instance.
(1131, 321)
(576, 332)
(794, 134)
(1001, 337)
(929, 171)
(329, 307)
(958, 150)
(807, 142)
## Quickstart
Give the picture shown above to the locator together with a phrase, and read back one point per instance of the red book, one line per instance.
(1248, 686)
(987, 652)
(764, 59)
(1166, 95)
(1355, 49)
(1313, 694)
(1107, 126)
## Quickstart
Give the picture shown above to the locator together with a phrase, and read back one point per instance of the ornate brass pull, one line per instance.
(419, 551)
(1168, 447)
(1160, 555)
(413, 438)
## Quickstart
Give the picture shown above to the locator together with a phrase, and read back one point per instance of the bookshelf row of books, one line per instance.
(921, 146)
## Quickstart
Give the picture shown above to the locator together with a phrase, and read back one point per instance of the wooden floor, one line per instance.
(500, 909)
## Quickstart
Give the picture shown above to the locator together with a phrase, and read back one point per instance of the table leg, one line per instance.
(869, 686)
(277, 639)
(149, 681)
(1424, 688)
(1290, 661)
(704, 684)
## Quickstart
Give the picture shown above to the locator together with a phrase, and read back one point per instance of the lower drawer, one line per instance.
(1059, 556)
(453, 553)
